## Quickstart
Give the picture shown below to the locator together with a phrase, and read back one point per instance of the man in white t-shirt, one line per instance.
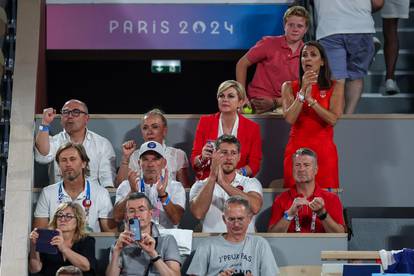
(74, 164)
(207, 196)
(166, 195)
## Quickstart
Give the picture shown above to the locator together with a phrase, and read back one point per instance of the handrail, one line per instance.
(349, 255)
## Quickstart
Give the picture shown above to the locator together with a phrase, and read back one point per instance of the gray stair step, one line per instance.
(405, 61)
(374, 80)
(385, 104)
(405, 37)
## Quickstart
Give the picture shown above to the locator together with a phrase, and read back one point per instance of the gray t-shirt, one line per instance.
(216, 254)
(134, 261)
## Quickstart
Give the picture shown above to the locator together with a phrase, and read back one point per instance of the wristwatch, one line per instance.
(300, 97)
(43, 127)
(323, 216)
(153, 260)
(287, 217)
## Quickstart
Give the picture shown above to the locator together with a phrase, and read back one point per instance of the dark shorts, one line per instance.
(349, 55)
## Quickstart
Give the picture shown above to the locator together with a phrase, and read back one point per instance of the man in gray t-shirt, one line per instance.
(234, 252)
(150, 255)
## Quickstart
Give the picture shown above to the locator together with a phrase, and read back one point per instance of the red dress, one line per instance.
(311, 131)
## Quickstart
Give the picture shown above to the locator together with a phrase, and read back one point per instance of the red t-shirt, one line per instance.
(283, 202)
(275, 64)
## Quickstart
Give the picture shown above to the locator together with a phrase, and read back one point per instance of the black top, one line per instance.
(84, 247)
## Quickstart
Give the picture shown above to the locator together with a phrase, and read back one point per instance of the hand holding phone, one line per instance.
(135, 227)
(43, 242)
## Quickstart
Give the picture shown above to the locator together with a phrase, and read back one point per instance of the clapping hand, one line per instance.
(162, 183)
(133, 177)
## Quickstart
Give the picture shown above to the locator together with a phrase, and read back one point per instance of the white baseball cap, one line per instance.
(152, 146)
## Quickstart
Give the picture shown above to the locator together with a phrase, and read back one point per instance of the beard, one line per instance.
(71, 176)
(228, 169)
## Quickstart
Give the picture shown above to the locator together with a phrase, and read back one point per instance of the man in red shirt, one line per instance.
(277, 59)
(306, 208)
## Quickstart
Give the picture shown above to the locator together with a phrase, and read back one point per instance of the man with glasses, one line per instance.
(74, 120)
(75, 187)
(306, 208)
(207, 196)
(234, 253)
(151, 254)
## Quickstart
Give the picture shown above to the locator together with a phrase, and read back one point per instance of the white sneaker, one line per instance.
(391, 87)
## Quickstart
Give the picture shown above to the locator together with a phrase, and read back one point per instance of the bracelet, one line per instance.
(163, 196)
(243, 171)
(312, 103)
(43, 127)
(167, 201)
(153, 260)
(287, 217)
(323, 216)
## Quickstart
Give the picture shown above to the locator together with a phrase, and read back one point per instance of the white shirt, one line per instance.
(99, 150)
(176, 160)
(174, 189)
(213, 221)
(101, 207)
(343, 17)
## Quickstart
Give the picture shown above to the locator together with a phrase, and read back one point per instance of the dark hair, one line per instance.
(306, 152)
(139, 195)
(69, 270)
(230, 139)
(237, 200)
(324, 78)
(82, 153)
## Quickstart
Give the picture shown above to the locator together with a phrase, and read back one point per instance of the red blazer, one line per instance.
(248, 134)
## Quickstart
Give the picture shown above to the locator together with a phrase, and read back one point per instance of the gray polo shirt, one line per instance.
(134, 261)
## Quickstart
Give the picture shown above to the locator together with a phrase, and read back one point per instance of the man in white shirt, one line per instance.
(95, 200)
(74, 119)
(166, 195)
(207, 196)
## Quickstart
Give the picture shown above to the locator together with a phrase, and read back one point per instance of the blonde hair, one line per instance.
(241, 92)
(296, 11)
(80, 231)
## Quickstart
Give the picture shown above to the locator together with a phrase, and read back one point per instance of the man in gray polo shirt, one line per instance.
(152, 255)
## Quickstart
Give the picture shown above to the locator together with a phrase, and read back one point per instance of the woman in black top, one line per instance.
(74, 246)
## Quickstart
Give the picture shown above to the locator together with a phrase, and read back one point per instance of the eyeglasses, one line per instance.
(75, 112)
(65, 216)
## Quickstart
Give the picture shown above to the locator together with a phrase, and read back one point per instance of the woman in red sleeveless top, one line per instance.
(312, 105)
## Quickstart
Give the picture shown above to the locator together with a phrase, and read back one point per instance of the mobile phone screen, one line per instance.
(43, 243)
(135, 227)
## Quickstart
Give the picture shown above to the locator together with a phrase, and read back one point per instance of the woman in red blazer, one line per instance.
(230, 96)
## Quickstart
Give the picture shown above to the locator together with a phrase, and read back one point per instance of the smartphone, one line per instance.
(238, 274)
(212, 143)
(43, 242)
(135, 227)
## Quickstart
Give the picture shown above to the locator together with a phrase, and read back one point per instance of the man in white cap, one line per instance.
(166, 195)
